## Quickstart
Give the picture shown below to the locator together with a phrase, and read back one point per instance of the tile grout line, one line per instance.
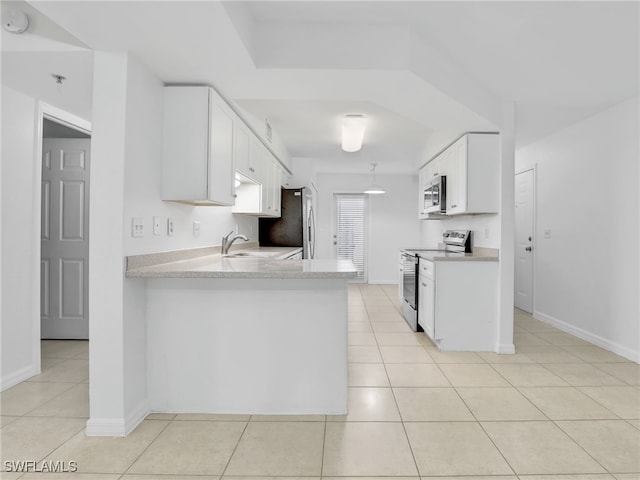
(324, 443)
(147, 447)
(395, 400)
(580, 446)
(246, 425)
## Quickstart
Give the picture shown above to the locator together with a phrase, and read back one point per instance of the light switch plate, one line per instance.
(547, 234)
(170, 227)
(196, 229)
(156, 225)
(137, 227)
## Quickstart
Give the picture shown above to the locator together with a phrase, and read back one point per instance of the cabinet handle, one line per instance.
(251, 169)
(424, 284)
(454, 206)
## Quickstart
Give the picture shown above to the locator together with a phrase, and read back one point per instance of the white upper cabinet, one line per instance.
(422, 184)
(247, 152)
(472, 168)
(271, 196)
(198, 147)
(473, 174)
(261, 196)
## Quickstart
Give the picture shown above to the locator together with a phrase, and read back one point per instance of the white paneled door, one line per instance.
(64, 238)
(524, 184)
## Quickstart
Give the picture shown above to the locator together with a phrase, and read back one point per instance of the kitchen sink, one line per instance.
(249, 254)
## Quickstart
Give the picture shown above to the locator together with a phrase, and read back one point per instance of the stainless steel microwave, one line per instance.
(435, 195)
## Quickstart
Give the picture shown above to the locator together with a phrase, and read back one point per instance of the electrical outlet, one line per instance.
(156, 225)
(547, 233)
(486, 232)
(196, 229)
(170, 227)
(137, 227)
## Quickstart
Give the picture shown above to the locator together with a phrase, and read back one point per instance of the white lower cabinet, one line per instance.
(458, 304)
(426, 302)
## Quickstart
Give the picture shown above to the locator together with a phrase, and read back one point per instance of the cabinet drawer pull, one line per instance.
(454, 206)
(435, 174)
(424, 284)
(251, 169)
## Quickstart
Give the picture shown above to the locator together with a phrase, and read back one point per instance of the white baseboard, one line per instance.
(16, 377)
(117, 427)
(605, 343)
(105, 427)
(506, 348)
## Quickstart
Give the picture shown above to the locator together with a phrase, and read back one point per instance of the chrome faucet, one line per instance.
(227, 242)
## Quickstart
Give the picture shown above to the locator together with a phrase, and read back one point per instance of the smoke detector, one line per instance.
(16, 22)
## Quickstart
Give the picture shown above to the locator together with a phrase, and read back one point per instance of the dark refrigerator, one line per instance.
(296, 225)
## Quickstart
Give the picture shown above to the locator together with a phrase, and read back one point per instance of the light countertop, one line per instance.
(481, 255)
(251, 267)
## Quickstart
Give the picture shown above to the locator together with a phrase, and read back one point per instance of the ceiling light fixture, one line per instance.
(16, 22)
(374, 188)
(352, 132)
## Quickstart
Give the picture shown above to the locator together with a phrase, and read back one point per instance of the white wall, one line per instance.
(586, 273)
(393, 220)
(127, 153)
(20, 323)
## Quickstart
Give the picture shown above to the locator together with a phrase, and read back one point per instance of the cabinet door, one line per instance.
(241, 153)
(457, 177)
(426, 307)
(273, 186)
(422, 181)
(220, 175)
(256, 160)
(185, 144)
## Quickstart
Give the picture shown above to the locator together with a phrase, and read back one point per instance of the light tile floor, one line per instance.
(559, 409)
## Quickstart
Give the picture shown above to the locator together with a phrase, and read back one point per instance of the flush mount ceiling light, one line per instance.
(352, 132)
(16, 22)
(374, 188)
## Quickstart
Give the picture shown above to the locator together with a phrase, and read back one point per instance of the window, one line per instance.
(350, 231)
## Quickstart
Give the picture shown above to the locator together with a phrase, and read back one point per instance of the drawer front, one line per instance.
(426, 269)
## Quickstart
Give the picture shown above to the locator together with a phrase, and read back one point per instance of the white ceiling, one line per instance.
(421, 71)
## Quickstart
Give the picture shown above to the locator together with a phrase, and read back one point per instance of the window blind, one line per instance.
(350, 231)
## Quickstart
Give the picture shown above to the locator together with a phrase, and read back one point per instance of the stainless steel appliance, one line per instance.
(296, 225)
(455, 242)
(409, 290)
(435, 195)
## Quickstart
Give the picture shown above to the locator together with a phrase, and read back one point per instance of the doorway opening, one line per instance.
(64, 229)
(349, 239)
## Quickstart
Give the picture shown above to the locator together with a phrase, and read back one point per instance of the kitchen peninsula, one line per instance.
(247, 333)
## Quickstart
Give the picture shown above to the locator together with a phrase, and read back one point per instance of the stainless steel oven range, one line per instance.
(409, 290)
